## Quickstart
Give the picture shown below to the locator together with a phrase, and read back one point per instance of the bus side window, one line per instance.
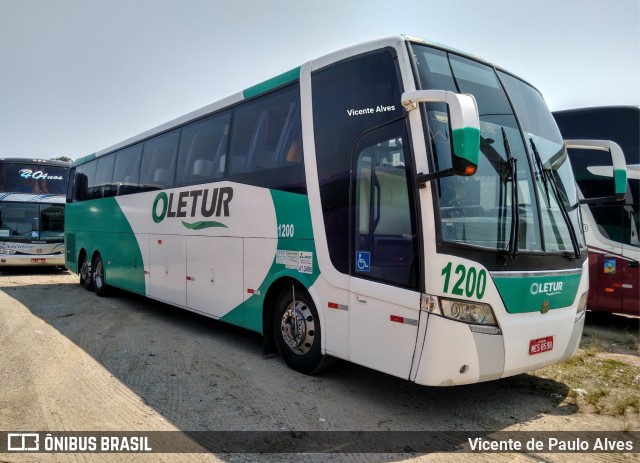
(202, 151)
(127, 170)
(104, 175)
(159, 153)
(266, 142)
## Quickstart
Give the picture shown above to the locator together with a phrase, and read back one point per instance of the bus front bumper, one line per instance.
(452, 354)
(32, 260)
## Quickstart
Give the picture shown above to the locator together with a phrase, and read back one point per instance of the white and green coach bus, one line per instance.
(396, 204)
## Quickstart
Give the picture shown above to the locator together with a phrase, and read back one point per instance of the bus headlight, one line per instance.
(468, 312)
(582, 306)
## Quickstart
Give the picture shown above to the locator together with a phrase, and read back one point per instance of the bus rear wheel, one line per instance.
(99, 284)
(296, 326)
(85, 273)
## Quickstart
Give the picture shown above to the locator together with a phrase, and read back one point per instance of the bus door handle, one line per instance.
(361, 299)
(376, 220)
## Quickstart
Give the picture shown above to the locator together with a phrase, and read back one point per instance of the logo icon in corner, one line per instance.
(23, 442)
(545, 307)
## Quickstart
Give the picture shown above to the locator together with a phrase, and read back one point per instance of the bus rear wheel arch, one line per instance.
(297, 331)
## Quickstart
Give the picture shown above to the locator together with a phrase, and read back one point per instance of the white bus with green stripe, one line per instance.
(396, 204)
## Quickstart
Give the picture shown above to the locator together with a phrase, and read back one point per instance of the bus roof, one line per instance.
(282, 79)
(48, 162)
(598, 109)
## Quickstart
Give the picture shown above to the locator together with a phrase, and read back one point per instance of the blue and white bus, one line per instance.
(32, 203)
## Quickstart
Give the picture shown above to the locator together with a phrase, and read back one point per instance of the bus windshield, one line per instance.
(523, 195)
(19, 177)
(20, 221)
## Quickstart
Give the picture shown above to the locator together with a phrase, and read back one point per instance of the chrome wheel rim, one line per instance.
(99, 277)
(298, 327)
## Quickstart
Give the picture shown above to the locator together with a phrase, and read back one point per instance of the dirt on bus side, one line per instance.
(72, 361)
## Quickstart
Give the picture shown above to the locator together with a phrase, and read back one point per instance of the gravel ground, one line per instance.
(71, 361)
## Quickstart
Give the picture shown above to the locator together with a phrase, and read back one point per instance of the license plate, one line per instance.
(537, 346)
(38, 261)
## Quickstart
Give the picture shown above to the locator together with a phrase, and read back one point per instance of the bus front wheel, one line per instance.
(99, 284)
(296, 326)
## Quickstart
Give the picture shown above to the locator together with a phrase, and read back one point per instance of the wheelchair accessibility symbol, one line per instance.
(363, 260)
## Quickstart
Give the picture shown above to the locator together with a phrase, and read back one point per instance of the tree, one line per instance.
(62, 158)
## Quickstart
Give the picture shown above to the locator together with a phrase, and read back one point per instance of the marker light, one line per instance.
(582, 306)
(429, 303)
(470, 170)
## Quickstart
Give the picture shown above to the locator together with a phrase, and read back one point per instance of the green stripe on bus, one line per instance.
(84, 159)
(533, 293)
(466, 143)
(272, 83)
(620, 179)
(292, 209)
(202, 225)
(104, 222)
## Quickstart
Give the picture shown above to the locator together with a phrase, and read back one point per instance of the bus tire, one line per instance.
(85, 273)
(296, 327)
(99, 282)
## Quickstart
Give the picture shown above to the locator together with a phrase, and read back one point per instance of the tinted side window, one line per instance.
(266, 142)
(104, 174)
(158, 167)
(86, 181)
(127, 170)
(349, 98)
(385, 238)
(203, 150)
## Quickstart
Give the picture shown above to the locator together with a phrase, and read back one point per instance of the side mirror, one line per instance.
(464, 123)
(618, 171)
(81, 187)
(71, 184)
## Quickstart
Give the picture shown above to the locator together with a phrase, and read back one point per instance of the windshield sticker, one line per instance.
(363, 111)
(38, 175)
(610, 266)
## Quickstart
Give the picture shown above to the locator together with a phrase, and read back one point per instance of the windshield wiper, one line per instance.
(549, 180)
(540, 168)
(512, 250)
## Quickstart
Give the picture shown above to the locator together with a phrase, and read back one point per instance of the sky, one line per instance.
(77, 76)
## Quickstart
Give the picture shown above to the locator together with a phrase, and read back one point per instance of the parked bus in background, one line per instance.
(396, 204)
(611, 228)
(32, 203)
